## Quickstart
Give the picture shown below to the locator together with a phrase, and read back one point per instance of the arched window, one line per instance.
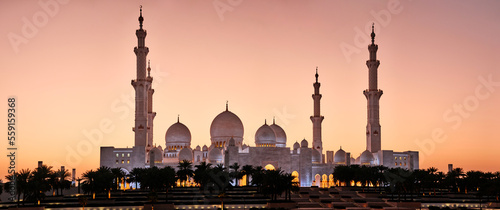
(324, 181)
(269, 167)
(317, 180)
(295, 175)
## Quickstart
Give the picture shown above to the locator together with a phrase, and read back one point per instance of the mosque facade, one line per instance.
(307, 162)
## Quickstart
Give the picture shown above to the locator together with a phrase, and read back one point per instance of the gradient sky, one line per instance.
(73, 72)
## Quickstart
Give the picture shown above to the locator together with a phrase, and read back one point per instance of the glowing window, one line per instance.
(404, 158)
(400, 158)
(116, 154)
(269, 167)
(123, 162)
(117, 161)
(128, 154)
(128, 161)
(405, 163)
(395, 158)
(395, 164)
(399, 163)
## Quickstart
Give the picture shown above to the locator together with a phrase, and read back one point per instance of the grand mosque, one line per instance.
(306, 160)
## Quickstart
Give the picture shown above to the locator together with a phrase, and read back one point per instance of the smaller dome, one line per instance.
(353, 160)
(156, 155)
(304, 143)
(186, 154)
(316, 156)
(366, 157)
(340, 156)
(205, 148)
(296, 146)
(265, 135)
(215, 155)
(280, 135)
(198, 148)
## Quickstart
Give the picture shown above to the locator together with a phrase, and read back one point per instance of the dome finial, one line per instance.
(317, 75)
(140, 18)
(265, 121)
(227, 105)
(178, 117)
(373, 33)
(274, 120)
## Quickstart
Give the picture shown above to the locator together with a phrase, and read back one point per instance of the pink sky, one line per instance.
(74, 70)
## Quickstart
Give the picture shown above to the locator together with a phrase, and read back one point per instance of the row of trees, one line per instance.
(420, 181)
(211, 179)
(32, 185)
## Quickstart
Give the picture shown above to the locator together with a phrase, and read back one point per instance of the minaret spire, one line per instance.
(373, 34)
(141, 19)
(317, 75)
(373, 94)
(317, 118)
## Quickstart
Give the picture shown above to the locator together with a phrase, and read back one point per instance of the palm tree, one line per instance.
(454, 179)
(247, 170)
(235, 173)
(218, 178)
(60, 181)
(344, 174)
(289, 185)
(21, 181)
(88, 184)
(201, 174)
(98, 181)
(258, 177)
(185, 171)
(135, 175)
(40, 182)
(432, 178)
(118, 176)
(167, 175)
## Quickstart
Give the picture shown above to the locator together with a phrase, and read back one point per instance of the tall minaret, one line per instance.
(317, 118)
(151, 114)
(373, 94)
(141, 86)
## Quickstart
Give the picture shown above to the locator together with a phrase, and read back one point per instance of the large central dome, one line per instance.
(225, 126)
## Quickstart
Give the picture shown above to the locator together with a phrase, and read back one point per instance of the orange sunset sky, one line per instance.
(70, 63)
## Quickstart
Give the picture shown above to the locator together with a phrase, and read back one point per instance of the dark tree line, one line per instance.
(31, 186)
(211, 179)
(423, 182)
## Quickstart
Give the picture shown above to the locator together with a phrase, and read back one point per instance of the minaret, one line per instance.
(372, 95)
(141, 86)
(151, 114)
(317, 118)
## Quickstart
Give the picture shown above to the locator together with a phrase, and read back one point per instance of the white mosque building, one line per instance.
(305, 161)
